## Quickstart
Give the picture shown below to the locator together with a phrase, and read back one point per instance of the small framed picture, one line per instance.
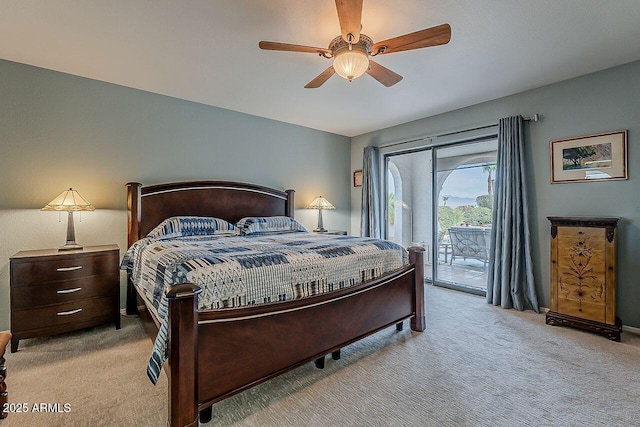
(357, 178)
(589, 158)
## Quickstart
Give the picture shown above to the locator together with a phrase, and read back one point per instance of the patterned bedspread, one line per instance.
(236, 271)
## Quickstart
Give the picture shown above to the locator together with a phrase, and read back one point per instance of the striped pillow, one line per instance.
(267, 224)
(181, 226)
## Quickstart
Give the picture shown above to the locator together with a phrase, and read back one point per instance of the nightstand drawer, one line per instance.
(66, 268)
(72, 313)
(62, 292)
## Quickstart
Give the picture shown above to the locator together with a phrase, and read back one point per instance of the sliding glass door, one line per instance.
(465, 181)
(408, 201)
(448, 213)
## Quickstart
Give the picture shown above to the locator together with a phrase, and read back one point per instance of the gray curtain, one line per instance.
(370, 215)
(510, 280)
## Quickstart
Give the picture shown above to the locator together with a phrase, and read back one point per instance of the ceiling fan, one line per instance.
(351, 50)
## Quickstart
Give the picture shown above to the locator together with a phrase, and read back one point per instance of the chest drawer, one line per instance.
(30, 272)
(72, 313)
(62, 292)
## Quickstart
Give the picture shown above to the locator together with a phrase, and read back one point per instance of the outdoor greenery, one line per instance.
(448, 217)
(469, 215)
(465, 215)
(486, 201)
(490, 181)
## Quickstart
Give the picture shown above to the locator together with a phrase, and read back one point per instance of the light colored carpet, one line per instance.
(476, 365)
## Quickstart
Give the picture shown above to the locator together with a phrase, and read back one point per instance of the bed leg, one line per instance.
(132, 303)
(320, 362)
(183, 354)
(399, 326)
(335, 355)
(416, 257)
(206, 414)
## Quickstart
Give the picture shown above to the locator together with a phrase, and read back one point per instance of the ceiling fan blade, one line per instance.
(293, 48)
(323, 77)
(383, 74)
(350, 16)
(433, 36)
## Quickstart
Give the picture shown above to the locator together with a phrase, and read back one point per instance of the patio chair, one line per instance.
(470, 242)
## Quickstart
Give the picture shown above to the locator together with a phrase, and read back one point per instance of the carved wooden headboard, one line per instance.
(148, 206)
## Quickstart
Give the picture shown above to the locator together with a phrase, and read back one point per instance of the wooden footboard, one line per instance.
(216, 354)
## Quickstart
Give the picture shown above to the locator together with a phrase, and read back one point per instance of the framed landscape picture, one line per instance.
(589, 158)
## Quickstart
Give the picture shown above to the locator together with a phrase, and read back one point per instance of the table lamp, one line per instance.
(70, 201)
(320, 203)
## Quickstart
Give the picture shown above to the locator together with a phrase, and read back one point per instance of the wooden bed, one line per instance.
(216, 354)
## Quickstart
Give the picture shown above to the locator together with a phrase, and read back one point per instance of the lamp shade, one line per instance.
(320, 203)
(69, 200)
(351, 63)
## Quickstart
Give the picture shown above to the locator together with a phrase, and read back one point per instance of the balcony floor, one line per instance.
(468, 272)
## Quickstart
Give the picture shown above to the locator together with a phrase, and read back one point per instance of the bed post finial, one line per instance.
(416, 257)
(183, 354)
(134, 213)
(290, 205)
(134, 193)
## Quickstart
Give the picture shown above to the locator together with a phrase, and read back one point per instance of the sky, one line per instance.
(467, 183)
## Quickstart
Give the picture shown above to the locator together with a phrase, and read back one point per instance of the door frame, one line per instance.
(434, 144)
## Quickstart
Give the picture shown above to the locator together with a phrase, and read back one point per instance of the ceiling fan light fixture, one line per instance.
(351, 63)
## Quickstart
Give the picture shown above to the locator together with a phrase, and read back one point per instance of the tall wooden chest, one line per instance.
(583, 274)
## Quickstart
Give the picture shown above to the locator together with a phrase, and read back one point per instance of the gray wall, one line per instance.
(604, 101)
(59, 131)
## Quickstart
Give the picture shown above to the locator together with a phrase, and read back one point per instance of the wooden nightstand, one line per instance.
(60, 291)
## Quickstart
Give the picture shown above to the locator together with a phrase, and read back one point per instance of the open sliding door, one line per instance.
(448, 212)
(409, 192)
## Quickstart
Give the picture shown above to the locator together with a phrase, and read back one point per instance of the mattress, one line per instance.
(263, 268)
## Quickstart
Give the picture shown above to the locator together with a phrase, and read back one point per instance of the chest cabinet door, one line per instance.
(582, 272)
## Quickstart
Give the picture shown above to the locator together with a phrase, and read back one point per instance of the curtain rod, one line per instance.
(534, 118)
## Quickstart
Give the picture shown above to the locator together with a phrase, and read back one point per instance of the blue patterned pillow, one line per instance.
(180, 226)
(267, 224)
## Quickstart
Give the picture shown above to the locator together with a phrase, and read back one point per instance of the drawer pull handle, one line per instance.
(77, 267)
(68, 291)
(67, 313)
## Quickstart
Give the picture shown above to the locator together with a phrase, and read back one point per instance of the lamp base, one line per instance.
(320, 230)
(70, 247)
(71, 244)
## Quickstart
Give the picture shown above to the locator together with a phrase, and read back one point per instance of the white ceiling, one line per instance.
(207, 51)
